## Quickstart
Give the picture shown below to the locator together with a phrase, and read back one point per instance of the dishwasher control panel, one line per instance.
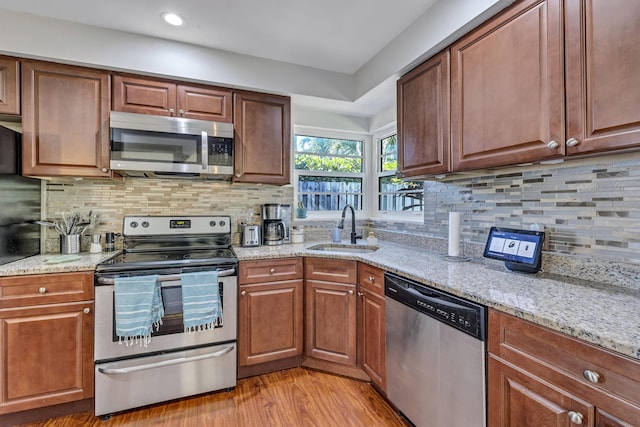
(459, 313)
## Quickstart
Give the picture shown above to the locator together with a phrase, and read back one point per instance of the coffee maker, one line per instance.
(275, 223)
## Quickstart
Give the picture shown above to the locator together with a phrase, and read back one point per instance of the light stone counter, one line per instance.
(37, 265)
(605, 315)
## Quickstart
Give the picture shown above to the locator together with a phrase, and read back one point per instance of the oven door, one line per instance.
(171, 335)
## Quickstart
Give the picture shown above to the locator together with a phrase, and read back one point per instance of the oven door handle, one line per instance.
(168, 277)
(131, 369)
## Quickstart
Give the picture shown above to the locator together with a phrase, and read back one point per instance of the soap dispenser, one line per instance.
(372, 240)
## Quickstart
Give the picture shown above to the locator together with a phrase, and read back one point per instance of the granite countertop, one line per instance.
(604, 315)
(37, 264)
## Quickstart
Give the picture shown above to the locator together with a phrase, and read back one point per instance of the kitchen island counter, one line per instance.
(604, 315)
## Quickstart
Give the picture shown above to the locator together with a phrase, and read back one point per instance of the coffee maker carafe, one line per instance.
(273, 226)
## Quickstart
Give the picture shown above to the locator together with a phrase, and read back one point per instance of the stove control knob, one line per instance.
(133, 224)
(145, 224)
(212, 223)
(222, 223)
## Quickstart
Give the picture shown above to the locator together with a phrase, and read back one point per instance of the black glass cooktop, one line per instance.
(167, 259)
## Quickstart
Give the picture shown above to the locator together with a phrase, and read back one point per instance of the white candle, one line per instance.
(454, 233)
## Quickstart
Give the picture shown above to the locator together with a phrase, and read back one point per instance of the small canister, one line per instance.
(297, 235)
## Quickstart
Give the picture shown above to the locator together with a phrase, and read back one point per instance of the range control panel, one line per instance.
(175, 225)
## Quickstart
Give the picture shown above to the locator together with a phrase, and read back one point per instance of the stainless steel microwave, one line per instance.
(156, 146)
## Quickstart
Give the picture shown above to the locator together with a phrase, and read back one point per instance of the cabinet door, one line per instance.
(9, 86)
(372, 336)
(204, 103)
(65, 119)
(270, 322)
(507, 88)
(331, 321)
(46, 356)
(262, 138)
(423, 119)
(518, 399)
(603, 75)
(145, 96)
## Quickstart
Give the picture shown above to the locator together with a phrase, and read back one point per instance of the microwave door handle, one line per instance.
(204, 149)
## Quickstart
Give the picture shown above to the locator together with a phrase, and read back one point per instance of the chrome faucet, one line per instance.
(354, 235)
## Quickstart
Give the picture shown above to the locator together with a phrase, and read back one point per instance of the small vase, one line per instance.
(301, 212)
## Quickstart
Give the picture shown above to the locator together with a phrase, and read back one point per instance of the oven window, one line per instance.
(172, 322)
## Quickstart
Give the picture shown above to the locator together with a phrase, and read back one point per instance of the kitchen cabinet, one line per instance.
(262, 138)
(65, 120)
(603, 75)
(423, 119)
(145, 95)
(371, 324)
(507, 88)
(46, 336)
(9, 85)
(270, 327)
(330, 311)
(541, 377)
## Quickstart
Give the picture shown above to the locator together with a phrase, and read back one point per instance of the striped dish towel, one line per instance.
(138, 307)
(201, 305)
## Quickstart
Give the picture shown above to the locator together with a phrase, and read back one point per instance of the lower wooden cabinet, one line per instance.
(541, 377)
(46, 347)
(330, 312)
(270, 326)
(371, 324)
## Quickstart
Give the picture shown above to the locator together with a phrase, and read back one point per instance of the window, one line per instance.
(329, 172)
(395, 194)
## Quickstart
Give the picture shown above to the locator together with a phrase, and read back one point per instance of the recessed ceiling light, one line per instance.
(172, 19)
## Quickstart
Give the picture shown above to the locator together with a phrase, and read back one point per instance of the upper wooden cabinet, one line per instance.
(423, 119)
(603, 75)
(507, 88)
(9, 86)
(262, 138)
(65, 120)
(166, 98)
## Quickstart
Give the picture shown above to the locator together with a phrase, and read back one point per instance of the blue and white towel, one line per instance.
(138, 307)
(201, 305)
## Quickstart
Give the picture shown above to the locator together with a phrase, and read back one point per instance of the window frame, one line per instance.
(364, 175)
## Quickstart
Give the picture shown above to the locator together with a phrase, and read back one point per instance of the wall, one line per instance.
(112, 200)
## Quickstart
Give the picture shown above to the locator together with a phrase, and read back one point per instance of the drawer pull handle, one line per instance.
(575, 417)
(42, 290)
(591, 376)
(86, 310)
(273, 270)
(371, 279)
(243, 293)
(572, 142)
(552, 145)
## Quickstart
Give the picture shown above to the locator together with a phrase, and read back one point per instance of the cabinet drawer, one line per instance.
(270, 270)
(331, 270)
(543, 351)
(18, 291)
(371, 278)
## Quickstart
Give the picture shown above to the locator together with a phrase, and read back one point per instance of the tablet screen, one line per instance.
(517, 246)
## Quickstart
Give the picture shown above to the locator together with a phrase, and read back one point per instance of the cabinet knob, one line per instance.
(575, 417)
(181, 112)
(350, 292)
(104, 170)
(86, 310)
(273, 270)
(552, 145)
(572, 142)
(238, 174)
(360, 294)
(42, 290)
(243, 293)
(591, 376)
(172, 111)
(371, 279)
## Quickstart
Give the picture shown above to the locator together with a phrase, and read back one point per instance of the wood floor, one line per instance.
(295, 397)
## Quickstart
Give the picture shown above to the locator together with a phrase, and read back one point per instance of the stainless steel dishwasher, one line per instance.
(436, 355)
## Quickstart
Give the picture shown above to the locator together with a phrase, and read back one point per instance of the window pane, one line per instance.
(389, 154)
(399, 195)
(328, 146)
(331, 164)
(320, 193)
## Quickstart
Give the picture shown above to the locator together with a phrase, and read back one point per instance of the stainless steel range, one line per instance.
(174, 363)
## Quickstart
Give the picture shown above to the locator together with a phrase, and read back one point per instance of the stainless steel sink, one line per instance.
(339, 247)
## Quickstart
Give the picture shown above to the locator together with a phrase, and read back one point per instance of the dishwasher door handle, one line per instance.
(179, 360)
